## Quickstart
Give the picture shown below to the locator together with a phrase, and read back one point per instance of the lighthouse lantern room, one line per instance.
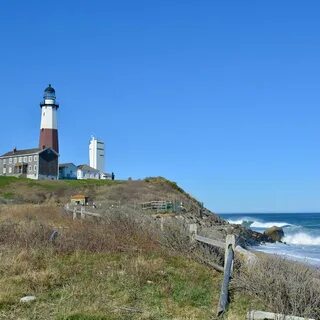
(49, 128)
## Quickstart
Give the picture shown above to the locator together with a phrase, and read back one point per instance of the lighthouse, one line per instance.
(49, 128)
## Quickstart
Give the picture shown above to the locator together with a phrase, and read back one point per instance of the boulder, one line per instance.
(275, 233)
(28, 299)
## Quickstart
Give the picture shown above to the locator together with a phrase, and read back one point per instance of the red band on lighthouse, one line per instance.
(49, 138)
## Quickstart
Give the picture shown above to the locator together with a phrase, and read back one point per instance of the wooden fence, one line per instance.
(231, 247)
(81, 212)
(165, 205)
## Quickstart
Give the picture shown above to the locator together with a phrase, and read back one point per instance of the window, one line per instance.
(25, 159)
(10, 160)
(30, 168)
(30, 158)
(4, 161)
(20, 159)
(35, 158)
(10, 170)
(35, 168)
(15, 160)
(4, 170)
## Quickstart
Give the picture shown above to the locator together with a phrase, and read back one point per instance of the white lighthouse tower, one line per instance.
(49, 128)
(96, 154)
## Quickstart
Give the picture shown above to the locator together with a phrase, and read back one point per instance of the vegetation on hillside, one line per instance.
(282, 285)
(58, 192)
(116, 270)
(124, 266)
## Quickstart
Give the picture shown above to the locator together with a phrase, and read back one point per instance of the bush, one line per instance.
(284, 286)
(30, 227)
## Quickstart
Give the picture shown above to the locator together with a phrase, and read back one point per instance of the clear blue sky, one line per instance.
(221, 96)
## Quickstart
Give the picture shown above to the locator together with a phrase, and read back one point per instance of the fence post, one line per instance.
(193, 230)
(228, 268)
(161, 223)
(230, 241)
(74, 213)
(82, 212)
(201, 210)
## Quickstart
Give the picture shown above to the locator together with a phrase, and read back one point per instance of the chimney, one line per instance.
(14, 150)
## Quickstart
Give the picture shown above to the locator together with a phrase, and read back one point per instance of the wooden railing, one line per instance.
(231, 247)
(81, 212)
(262, 315)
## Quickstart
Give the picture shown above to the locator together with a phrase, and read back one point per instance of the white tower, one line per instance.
(96, 154)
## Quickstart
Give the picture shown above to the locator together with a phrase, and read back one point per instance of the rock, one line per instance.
(53, 236)
(28, 299)
(275, 233)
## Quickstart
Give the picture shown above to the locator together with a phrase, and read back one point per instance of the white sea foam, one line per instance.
(302, 239)
(239, 221)
(291, 251)
(259, 224)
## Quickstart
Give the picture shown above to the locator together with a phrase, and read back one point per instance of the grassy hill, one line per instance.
(13, 190)
(123, 266)
(115, 270)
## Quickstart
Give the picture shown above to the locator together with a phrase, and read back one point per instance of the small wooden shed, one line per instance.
(79, 199)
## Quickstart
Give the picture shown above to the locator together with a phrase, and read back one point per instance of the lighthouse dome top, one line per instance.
(49, 93)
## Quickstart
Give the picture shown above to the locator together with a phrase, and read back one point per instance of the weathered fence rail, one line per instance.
(262, 315)
(76, 212)
(213, 242)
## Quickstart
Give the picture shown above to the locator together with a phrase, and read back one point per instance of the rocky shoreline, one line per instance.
(213, 226)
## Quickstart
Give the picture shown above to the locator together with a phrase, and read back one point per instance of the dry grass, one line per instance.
(110, 286)
(124, 268)
(283, 286)
(53, 192)
(113, 270)
(31, 226)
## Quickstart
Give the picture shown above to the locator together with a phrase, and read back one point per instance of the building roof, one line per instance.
(86, 167)
(16, 152)
(107, 174)
(49, 89)
(63, 165)
(79, 196)
(49, 94)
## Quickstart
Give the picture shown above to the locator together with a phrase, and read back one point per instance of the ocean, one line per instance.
(301, 230)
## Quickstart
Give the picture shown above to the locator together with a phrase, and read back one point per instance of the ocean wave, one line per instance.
(238, 221)
(258, 224)
(302, 239)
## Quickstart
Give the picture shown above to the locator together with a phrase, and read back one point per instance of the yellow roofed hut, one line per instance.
(79, 199)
